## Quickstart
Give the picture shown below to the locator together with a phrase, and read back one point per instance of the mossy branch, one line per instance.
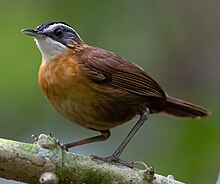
(44, 162)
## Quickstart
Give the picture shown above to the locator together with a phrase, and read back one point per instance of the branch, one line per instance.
(45, 162)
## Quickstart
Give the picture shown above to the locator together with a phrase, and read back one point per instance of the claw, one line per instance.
(35, 137)
(114, 159)
(64, 146)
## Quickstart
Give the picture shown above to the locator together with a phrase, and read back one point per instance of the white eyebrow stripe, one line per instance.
(51, 27)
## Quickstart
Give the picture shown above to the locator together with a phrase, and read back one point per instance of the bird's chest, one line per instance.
(66, 88)
(56, 78)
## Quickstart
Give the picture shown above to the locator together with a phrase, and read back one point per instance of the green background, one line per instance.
(176, 42)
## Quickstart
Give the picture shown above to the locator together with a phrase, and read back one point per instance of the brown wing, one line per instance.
(102, 66)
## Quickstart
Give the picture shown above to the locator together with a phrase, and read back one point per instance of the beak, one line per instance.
(31, 32)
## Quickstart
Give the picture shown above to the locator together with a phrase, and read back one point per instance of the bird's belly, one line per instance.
(77, 107)
(91, 110)
(83, 105)
(80, 100)
(77, 103)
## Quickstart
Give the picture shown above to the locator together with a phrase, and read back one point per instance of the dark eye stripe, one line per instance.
(58, 32)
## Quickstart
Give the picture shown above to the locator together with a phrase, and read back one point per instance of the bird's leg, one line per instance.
(115, 156)
(104, 136)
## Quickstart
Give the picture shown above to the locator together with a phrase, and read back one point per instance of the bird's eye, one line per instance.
(58, 33)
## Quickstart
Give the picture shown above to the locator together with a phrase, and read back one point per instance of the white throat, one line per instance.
(49, 48)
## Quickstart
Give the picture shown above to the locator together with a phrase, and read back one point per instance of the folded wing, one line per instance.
(105, 67)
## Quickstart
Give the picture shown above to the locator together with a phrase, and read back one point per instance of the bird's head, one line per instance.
(54, 38)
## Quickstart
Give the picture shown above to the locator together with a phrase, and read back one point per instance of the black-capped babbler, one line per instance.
(97, 89)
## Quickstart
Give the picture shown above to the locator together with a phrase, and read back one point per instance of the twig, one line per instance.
(44, 162)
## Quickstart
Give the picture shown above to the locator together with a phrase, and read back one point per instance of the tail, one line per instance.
(180, 108)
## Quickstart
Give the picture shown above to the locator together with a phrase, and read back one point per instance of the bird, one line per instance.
(98, 89)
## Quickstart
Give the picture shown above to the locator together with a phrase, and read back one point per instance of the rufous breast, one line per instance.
(68, 90)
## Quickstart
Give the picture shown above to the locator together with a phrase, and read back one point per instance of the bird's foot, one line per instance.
(114, 159)
(64, 146)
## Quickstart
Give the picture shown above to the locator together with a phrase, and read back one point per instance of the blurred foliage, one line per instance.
(176, 42)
